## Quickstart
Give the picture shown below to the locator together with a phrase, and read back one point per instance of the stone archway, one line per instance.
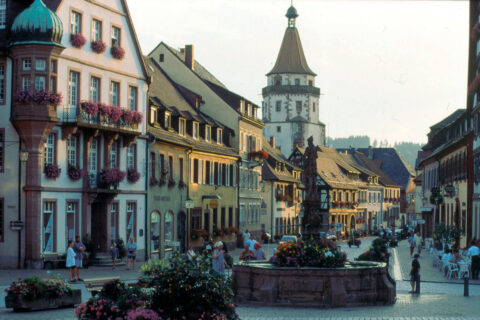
(155, 231)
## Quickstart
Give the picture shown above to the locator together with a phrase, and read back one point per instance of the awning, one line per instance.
(216, 197)
(426, 209)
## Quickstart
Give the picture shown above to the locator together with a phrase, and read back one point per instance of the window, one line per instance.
(168, 226)
(222, 217)
(219, 136)
(297, 82)
(2, 81)
(279, 129)
(2, 150)
(206, 221)
(40, 65)
(132, 156)
(71, 213)
(152, 164)
(195, 130)
(314, 107)
(49, 226)
(27, 64)
(73, 88)
(161, 57)
(180, 167)
(170, 166)
(181, 127)
(153, 115)
(166, 123)
(249, 109)
(26, 83)
(131, 219)
(115, 36)
(195, 170)
(215, 218)
(162, 161)
(230, 216)
(49, 153)
(196, 221)
(231, 175)
(93, 157)
(299, 106)
(224, 174)
(114, 155)
(95, 89)
(208, 131)
(114, 93)
(132, 98)
(215, 173)
(114, 221)
(72, 151)
(242, 106)
(310, 83)
(278, 106)
(96, 30)
(207, 172)
(2, 219)
(3, 16)
(53, 76)
(75, 22)
(39, 83)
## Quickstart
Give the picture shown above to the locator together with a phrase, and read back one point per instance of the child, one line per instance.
(114, 254)
(70, 263)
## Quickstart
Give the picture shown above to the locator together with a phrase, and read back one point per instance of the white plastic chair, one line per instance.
(452, 270)
(464, 270)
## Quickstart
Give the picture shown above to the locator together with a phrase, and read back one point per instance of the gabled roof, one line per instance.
(269, 173)
(202, 72)
(448, 120)
(392, 164)
(231, 98)
(291, 58)
(371, 165)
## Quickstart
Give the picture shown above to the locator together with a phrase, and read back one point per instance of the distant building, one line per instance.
(290, 99)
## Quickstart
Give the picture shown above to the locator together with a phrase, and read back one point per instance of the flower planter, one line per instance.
(20, 303)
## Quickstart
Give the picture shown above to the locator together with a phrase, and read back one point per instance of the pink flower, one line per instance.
(132, 175)
(90, 107)
(98, 46)
(137, 117)
(99, 313)
(115, 113)
(77, 40)
(128, 115)
(117, 52)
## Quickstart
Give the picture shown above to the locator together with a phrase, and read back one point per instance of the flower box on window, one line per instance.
(75, 173)
(52, 171)
(133, 175)
(117, 52)
(171, 183)
(90, 108)
(77, 40)
(41, 97)
(98, 46)
(112, 177)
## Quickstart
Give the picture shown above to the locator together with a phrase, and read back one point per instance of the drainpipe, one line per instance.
(271, 207)
(186, 176)
(148, 146)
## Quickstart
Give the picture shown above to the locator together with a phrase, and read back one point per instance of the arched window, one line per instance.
(168, 226)
(155, 231)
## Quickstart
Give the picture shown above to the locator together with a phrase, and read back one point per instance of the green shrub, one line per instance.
(378, 252)
(122, 250)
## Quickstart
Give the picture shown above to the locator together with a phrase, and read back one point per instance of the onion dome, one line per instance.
(291, 13)
(37, 25)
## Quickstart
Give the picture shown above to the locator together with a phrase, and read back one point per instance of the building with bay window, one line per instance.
(79, 94)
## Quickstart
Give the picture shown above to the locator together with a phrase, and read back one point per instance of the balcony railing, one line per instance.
(291, 89)
(72, 114)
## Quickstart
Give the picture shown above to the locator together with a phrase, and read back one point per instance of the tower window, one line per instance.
(279, 129)
(278, 106)
(310, 83)
(314, 107)
(297, 82)
(161, 57)
(299, 106)
(3, 14)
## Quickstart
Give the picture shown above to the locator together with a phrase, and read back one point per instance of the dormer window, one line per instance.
(166, 120)
(219, 136)
(181, 127)
(249, 109)
(197, 102)
(153, 115)
(297, 82)
(195, 130)
(242, 106)
(208, 133)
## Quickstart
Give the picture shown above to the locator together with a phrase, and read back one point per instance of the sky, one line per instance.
(386, 69)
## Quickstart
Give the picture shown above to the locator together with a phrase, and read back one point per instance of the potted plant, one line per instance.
(74, 172)
(132, 175)
(46, 98)
(98, 46)
(117, 52)
(23, 96)
(52, 171)
(90, 108)
(77, 40)
(171, 183)
(38, 294)
(112, 177)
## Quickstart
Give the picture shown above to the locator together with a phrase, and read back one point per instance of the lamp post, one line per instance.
(23, 159)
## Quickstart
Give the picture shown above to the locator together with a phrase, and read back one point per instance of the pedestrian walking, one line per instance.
(79, 248)
(70, 263)
(246, 236)
(412, 243)
(418, 243)
(474, 252)
(414, 272)
(114, 254)
(247, 254)
(218, 261)
(191, 255)
(132, 253)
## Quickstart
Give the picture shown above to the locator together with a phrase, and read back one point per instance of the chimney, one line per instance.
(272, 141)
(189, 56)
(370, 153)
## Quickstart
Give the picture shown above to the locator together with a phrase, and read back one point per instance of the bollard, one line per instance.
(417, 284)
(465, 285)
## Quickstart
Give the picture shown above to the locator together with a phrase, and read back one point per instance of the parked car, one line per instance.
(288, 238)
(331, 236)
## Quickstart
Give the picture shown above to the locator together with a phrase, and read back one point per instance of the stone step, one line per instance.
(105, 260)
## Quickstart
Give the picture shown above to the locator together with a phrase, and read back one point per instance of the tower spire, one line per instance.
(291, 15)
